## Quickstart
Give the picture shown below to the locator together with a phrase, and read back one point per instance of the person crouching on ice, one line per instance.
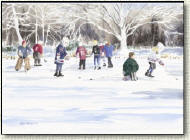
(23, 53)
(82, 54)
(37, 53)
(130, 67)
(152, 59)
(59, 59)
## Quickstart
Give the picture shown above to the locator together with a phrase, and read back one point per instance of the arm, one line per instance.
(137, 66)
(56, 53)
(92, 49)
(41, 49)
(77, 51)
(19, 52)
(65, 52)
(85, 51)
(30, 50)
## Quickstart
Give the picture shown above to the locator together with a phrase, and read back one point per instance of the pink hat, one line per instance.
(23, 42)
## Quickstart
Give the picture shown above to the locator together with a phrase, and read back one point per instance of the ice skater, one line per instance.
(37, 53)
(82, 55)
(130, 67)
(152, 59)
(96, 52)
(23, 53)
(59, 59)
(108, 49)
(102, 54)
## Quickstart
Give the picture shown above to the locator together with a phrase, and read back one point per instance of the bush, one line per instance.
(9, 49)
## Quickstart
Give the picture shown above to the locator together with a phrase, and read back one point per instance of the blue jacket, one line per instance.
(108, 50)
(60, 52)
(24, 51)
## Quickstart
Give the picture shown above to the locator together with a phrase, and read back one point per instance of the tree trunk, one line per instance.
(16, 25)
(36, 32)
(123, 39)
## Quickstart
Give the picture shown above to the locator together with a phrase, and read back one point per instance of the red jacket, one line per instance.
(38, 48)
(82, 52)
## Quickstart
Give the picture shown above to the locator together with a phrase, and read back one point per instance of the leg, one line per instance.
(84, 63)
(111, 62)
(150, 70)
(27, 63)
(80, 63)
(57, 68)
(108, 61)
(39, 59)
(56, 71)
(60, 69)
(95, 62)
(132, 76)
(135, 76)
(35, 58)
(104, 61)
(98, 59)
(19, 64)
(35, 62)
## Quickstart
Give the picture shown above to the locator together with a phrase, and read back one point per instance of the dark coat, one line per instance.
(129, 66)
(60, 53)
(96, 50)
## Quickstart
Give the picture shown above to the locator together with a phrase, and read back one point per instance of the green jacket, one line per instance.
(129, 66)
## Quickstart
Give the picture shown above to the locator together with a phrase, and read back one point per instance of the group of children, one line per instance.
(24, 51)
(100, 51)
(130, 67)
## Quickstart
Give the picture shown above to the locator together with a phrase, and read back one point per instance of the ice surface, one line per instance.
(36, 102)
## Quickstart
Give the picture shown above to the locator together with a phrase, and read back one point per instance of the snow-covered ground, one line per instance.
(38, 103)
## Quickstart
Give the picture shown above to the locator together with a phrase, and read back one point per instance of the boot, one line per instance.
(60, 74)
(99, 68)
(150, 75)
(55, 74)
(147, 73)
(104, 64)
(94, 67)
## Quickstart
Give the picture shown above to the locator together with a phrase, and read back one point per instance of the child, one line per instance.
(23, 53)
(96, 52)
(130, 67)
(59, 59)
(102, 53)
(108, 50)
(152, 59)
(82, 54)
(37, 49)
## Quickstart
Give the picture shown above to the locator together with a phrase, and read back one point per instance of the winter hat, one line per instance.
(155, 49)
(23, 42)
(80, 43)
